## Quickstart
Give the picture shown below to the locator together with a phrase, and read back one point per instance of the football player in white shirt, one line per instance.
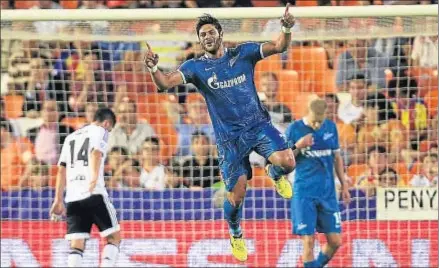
(81, 174)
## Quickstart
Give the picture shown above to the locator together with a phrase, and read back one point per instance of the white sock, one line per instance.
(109, 255)
(75, 258)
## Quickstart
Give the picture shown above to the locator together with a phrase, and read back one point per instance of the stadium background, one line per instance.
(56, 73)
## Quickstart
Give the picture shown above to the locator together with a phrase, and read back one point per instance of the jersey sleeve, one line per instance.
(63, 158)
(187, 71)
(252, 51)
(99, 141)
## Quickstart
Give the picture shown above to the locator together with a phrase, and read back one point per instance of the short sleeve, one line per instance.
(100, 140)
(63, 158)
(251, 51)
(187, 71)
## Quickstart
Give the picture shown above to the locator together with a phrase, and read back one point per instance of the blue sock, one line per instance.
(233, 217)
(310, 264)
(322, 259)
(276, 172)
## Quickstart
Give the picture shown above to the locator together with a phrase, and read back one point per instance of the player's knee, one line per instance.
(114, 238)
(284, 159)
(335, 242)
(78, 244)
(308, 243)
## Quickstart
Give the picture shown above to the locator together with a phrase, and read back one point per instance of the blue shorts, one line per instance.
(234, 154)
(310, 214)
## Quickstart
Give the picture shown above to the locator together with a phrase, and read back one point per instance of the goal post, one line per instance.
(56, 54)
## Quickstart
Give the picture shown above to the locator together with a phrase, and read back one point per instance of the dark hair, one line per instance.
(378, 149)
(208, 19)
(407, 86)
(119, 149)
(391, 170)
(333, 97)
(199, 134)
(7, 126)
(431, 155)
(359, 76)
(153, 140)
(103, 114)
(379, 101)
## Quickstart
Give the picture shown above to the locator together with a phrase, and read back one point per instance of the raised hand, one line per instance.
(287, 19)
(151, 59)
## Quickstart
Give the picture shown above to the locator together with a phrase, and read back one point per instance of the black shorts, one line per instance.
(82, 214)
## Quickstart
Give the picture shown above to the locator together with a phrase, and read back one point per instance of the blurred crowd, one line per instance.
(48, 4)
(382, 94)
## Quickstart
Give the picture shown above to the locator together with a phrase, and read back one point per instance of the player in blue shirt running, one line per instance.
(314, 205)
(225, 78)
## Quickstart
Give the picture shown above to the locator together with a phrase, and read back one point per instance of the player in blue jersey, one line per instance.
(225, 77)
(314, 203)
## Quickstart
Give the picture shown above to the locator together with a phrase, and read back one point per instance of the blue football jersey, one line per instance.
(314, 173)
(228, 87)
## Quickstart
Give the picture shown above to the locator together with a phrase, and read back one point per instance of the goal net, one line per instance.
(375, 66)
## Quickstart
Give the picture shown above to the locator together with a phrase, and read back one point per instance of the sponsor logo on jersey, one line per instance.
(317, 153)
(233, 60)
(327, 135)
(301, 226)
(215, 84)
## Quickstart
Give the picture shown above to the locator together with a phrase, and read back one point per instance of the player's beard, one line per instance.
(214, 47)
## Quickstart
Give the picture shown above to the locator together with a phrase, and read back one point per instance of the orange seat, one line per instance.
(405, 174)
(74, 122)
(427, 79)
(150, 108)
(69, 4)
(356, 170)
(269, 64)
(23, 4)
(312, 65)
(265, 3)
(431, 101)
(260, 179)
(53, 171)
(13, 105)
(306, 3)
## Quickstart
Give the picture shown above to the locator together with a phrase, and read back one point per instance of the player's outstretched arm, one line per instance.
(161, 80)
(284, 39)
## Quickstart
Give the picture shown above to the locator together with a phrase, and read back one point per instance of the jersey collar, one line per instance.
(207, 57)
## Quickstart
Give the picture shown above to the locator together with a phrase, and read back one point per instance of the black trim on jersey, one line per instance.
(63, 164)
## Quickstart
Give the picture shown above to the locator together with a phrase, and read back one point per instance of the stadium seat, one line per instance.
(74, 122)
(431, 100)
(69, 4)
(260, 179)
(355, 170)
(23, 4)
(137, 83)
(265, 3)
(427, 79)
(13, 106)
(312, 65)
(150, 108)
(269, 64)
(306, 3)
(53, 170)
